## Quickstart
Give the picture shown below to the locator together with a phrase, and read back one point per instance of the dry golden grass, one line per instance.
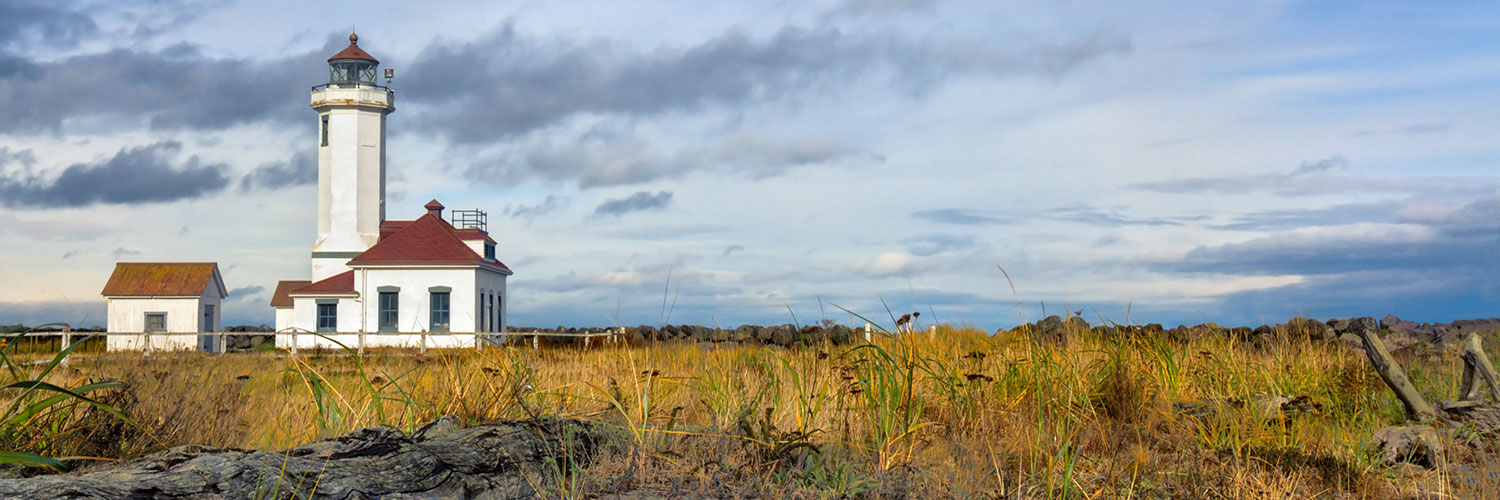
(960, 414)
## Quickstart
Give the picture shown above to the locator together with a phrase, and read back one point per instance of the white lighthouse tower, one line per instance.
(351, 159)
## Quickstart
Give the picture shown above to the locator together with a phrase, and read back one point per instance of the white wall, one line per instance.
(283, 318)
(414, 312)
(351, 174)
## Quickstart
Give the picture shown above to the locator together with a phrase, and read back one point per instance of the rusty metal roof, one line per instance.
(163, 279)
(338, 284)
(354, 52)
(282, 297)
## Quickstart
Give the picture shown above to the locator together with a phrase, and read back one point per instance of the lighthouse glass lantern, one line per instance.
(352, 67)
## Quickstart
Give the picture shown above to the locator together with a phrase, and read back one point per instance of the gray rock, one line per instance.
(442, 460)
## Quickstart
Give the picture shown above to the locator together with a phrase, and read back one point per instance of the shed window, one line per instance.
(390, 305)
(328, 317)
(439, 308)
(156, 322)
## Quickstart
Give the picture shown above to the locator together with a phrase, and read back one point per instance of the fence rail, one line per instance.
(220, 346)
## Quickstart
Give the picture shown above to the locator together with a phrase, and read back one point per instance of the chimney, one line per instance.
(434, 209)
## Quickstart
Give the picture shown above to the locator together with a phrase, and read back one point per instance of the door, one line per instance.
(207, 341)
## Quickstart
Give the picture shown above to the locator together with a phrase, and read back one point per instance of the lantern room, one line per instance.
(352, 67)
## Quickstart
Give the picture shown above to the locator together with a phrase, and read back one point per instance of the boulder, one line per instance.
(1300, 327)
(840, 334)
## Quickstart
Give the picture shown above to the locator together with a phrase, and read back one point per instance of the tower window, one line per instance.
(325, 130)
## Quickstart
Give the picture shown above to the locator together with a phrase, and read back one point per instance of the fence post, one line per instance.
(223, 346)
(477, 345)
(867, 332)
(294, 341)
(424, 343)
(146, 347)
(67, 338)
(361, 342)
(932, 331)
(536, 342)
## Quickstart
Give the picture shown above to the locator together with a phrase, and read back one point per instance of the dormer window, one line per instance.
(489, 251)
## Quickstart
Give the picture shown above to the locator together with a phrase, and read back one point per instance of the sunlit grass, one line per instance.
(959, 412)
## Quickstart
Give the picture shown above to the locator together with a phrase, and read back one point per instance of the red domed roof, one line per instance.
(354, 52)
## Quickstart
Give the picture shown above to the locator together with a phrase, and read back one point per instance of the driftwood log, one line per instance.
(509, 459)
(1471, 416)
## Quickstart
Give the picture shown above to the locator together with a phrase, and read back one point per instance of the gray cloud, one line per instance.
(120, 252)
(23, 22)
(546, 206)
(1112, 218)
(174, 88)
(637, 202)
(1275, 220)
(961, 216)
(1282, 183)
(246, 291)
(508, 83)
(602, 158)
(731, 249)
(299, 170)
(134, 175)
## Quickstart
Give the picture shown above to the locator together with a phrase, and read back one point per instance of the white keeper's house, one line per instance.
(154, 298)
(375, 281)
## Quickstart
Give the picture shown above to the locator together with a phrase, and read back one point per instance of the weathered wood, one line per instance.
(1478, 371)
(1416, 406)
(442, 460)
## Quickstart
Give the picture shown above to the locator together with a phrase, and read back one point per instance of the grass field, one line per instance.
(959, 414)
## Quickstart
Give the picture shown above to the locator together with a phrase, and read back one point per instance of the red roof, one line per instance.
(162, 279)
(354, 52)
(428, 240)
(338, 284)
(282, 297)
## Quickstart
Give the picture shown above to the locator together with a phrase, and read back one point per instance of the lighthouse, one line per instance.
(352, 109)
(430, 281)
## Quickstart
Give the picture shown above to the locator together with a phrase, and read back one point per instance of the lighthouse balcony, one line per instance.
(345, 94)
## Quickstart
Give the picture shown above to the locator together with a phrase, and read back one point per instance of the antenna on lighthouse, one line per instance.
(389, 74)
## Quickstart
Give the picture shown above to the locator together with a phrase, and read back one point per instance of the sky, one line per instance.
(724, 163)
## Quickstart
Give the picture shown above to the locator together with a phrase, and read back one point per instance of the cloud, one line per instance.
(300, 169)
(892, 265)
(121, 252)
(1084, 214)
(961, 216)
(1342, 214)
(508, 84)
(27, 23)
(932, 244)
(1245, 183)
(640, 201)
(246, 291)
(133, 175)
(603, 158)
(546, 206)
(174, 88)
(732, 249)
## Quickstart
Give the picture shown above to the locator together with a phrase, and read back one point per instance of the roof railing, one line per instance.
(471, 219)
(351, 85)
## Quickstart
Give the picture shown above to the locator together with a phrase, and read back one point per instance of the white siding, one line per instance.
(184, 315)
(283, 318)
(413, 314)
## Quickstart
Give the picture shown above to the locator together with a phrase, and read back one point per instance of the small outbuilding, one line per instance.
(162, 298)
